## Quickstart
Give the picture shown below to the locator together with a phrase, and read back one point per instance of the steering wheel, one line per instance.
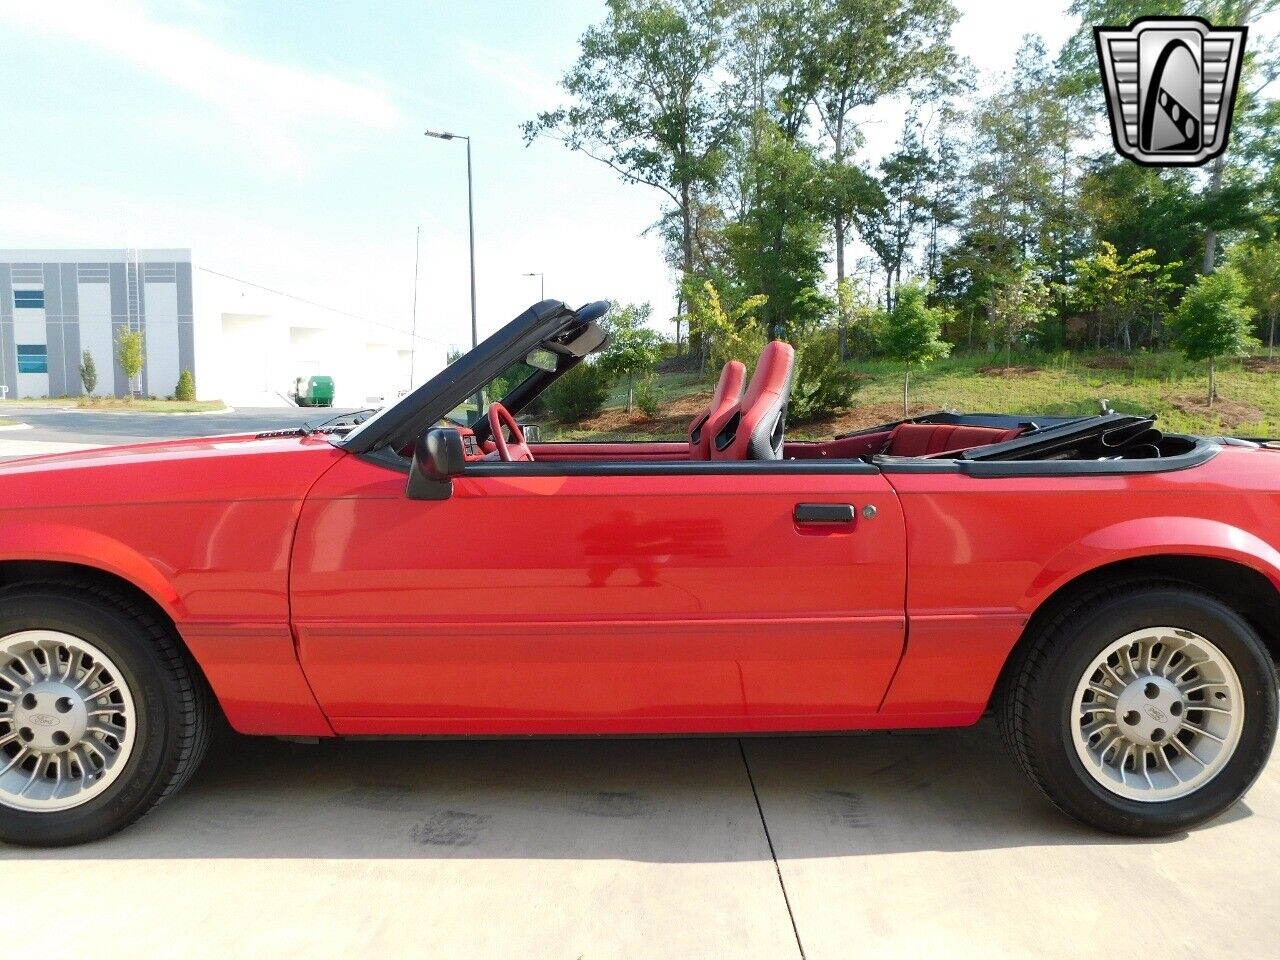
(511, 450)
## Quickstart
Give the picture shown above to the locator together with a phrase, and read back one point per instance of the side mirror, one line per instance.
(437, 459)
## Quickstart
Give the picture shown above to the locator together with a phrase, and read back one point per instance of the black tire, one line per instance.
(1036, 708)
(170, 701)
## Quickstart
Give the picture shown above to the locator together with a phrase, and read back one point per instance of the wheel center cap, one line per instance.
(50, 716)
(1150, 710)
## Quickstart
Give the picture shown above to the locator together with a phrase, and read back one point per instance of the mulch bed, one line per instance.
(1014, 371)
(1230, 413)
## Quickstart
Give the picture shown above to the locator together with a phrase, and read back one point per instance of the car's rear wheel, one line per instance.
(101, 713)
(1143, 709)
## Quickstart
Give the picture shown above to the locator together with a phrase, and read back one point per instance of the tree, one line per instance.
(858, 53)
(186, 388)
(1018, 305)
(1259, 264)
(88, 372)
(730, 334)
(776, 243)
(645, 101)
(633, 349)
(902, 206)
(1123, 290)
(129, 354)
(913, 333)
(1213, 321)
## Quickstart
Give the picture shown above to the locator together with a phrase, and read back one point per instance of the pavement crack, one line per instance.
(777, 869)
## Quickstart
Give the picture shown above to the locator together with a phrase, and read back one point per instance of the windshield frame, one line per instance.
(573, 334)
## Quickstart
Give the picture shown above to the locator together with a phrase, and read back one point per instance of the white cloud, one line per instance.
(267, 101)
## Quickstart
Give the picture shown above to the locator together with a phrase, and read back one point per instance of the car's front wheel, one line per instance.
(1143, 709)
(101, 714)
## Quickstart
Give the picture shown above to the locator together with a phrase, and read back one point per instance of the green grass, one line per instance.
(7, 423)
(1041, 384)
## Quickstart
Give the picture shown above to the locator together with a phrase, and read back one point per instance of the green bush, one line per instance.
(579, 395)
(186, 388)
(822, 383)
(648, 396)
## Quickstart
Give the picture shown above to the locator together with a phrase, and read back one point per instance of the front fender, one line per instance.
(1149, 537)
(64, 543)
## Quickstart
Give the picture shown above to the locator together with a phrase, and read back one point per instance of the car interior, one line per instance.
(745, 417)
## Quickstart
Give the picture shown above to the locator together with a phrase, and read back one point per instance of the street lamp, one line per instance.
(542, 283)
(471, 223)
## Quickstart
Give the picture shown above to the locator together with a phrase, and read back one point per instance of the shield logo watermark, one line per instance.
(1171, 87)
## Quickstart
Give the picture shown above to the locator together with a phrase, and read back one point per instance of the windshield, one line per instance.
(476, 408)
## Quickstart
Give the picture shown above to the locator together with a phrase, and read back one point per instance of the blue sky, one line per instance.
(282, 142)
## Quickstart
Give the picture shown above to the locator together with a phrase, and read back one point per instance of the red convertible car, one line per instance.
(1109, 592)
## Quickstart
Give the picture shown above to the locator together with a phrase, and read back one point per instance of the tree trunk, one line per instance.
(1213, 385)
(1271, 342)
(841, 331)
(1210, 234)
(906, 383)
(631, 390)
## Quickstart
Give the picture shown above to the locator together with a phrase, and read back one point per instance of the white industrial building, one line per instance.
(244, 342)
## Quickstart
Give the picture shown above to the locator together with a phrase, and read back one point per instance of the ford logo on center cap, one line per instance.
(1155, 713)
(44, 720)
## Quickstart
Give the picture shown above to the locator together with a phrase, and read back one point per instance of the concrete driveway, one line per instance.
(895, 846)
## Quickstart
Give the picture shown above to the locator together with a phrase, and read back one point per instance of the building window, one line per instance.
(28, 299)
(33, 358)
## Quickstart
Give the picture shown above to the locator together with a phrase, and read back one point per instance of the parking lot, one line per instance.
(928, 845)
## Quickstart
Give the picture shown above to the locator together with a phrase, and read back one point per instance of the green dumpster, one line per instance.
(313, 391)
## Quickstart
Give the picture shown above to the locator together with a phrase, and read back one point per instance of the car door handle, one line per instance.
(824, 513)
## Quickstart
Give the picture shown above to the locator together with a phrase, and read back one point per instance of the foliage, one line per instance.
(775, 246)
(913, 333)
(186, 388)
(634, 348)
(734, 334)
(648, 395)
(1018, 305)
(748, 117)
(578, 395)
(130, 353)
(1259, 264)
(88, 372)
(1213, 321)
(822, 384)
(1123, 291)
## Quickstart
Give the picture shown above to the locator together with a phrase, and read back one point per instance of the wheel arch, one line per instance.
(15, 572)
(1244, 587)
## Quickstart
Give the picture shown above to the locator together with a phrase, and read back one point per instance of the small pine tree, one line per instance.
(1213, 321)
(88, 372)
(186, 388)
(913, 333)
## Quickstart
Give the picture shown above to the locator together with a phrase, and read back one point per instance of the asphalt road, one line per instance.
(887, 846)
(893, 846)
(50, 425)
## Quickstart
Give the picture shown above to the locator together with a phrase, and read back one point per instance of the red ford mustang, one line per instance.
(1108, 591)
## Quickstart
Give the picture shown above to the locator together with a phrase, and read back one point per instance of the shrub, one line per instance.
(579, 395)
(186, 388)
(648, 396)
(88, 372)
(822, 383)
(1213, 321)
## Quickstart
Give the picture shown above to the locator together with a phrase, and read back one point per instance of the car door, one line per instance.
(600, 597)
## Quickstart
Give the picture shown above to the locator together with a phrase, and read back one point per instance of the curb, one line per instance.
(16, 426)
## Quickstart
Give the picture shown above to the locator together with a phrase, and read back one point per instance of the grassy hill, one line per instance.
(1163, 384)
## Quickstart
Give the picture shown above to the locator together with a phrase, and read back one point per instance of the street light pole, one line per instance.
(471, 222)
(542, 284)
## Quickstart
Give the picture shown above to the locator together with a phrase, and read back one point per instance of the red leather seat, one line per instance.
(753, 430)
(930, 439)
(728, 393)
